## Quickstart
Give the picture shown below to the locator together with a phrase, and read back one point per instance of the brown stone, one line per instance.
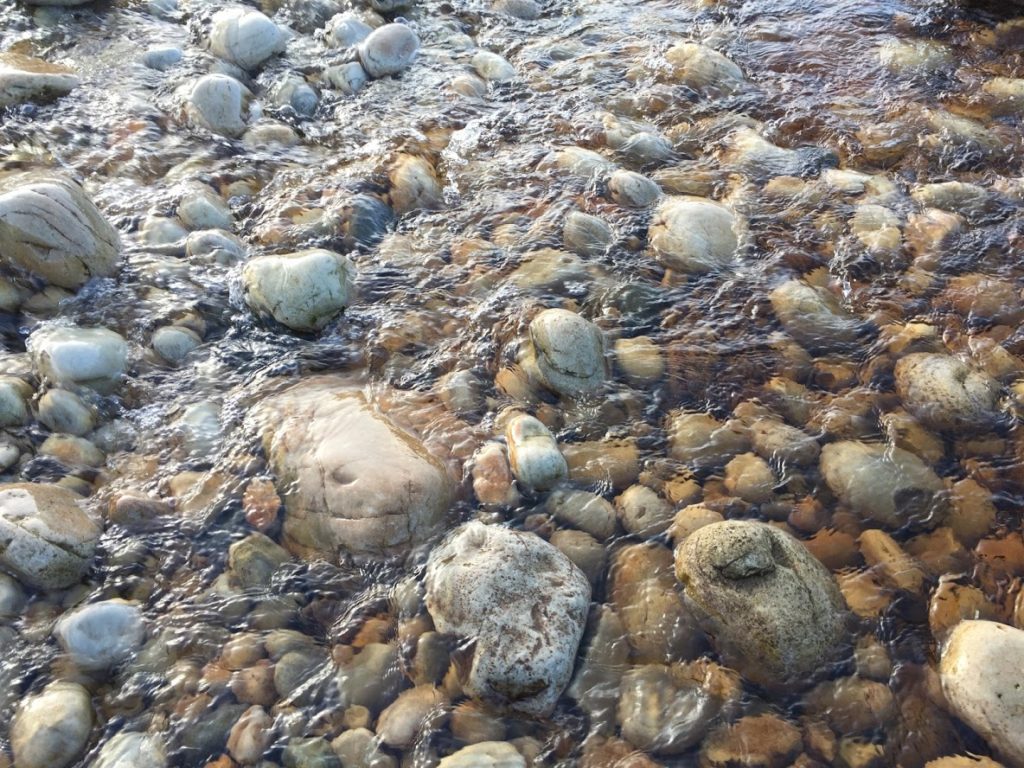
(764, 741)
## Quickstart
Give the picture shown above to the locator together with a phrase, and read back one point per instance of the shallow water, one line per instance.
(436, 296)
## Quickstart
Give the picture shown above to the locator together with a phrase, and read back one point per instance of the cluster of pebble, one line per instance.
(796, 543)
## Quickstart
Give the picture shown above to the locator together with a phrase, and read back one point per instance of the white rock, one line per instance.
(24, 78)
(350, 479)
(748, 152)
(633, 190)
(693, 234)
(493, 67)
(520, 9)
(93, 357)
(346, 29)
(214, 246)
(981, 674)
(577, 161)
(569, 352)
(485, 754)
(50, 228)
(303, 290)
(202, 208)
(883, 483)
(388, 50)
(944, 393)
(348, 78)
(50, 729)
(215, 103)
(245, 37)
(533, 454)
(138, 750)
(704, 69)
(924, 56)
(814, 317)
(523, 602)
(162, 57)
(174, 342)
(162, 230)
(101, 635)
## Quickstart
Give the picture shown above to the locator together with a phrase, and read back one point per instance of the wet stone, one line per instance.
(523, 657)
(50, 729)
(101, 635)
(25, 78)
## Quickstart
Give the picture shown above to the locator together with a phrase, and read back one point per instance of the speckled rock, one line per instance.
(303, 290)
(350, 479)
(945, 393)
(51, 229)
(570, 352)
(524, 652)
(388, 50)
(693, 234)
(50, 729)
(46, 540)
(245, 37)
(25, 78)
(101, 635)
(774, 611)
(814, 317)
(533, 454)
(883, 483)
(981, 677)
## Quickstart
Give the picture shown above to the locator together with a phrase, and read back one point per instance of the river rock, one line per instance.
(50, 228)
(14, 394)
(51, 728)
(25, 78)
(570, 352)
(663, 713)
(693, 234)
(46, 540)
(595, 685)
(633, 190)
(388, 50)
(528, 10)
(702, 441)
(64, 411)
(346, 29)
(303, 290)
(493, 67)
(174, 342)
(101, 635)
(524, 653)
(138, 750)
(643, 512)
(981, 677)
(586, 235)
(370, 679)
(414, 185)
(704, 69)
(533, 454)
(350, 479)
(884, 483)
(245, 37)
(92, 357)
(814, 317)
(947, 394)
(486, 754)
(584, 510)
(214, 102)
(774, 611)
(415, 711)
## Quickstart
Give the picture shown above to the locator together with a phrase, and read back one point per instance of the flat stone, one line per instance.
(25, 78)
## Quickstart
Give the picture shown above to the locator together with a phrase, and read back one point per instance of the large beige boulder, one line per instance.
(350, 479)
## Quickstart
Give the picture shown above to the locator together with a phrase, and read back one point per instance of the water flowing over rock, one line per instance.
(139, 750)
(92, 357)
(50, 228)
(100, 635)
(388, 50)
(814, 317)
(24, 78)
(774, 611)
(50, 729)
(245, 37)
(981, 672)
(524, 651)
(303, 291)
(350, 479)
(570, 352)
(692, 234)
(886, 484)
(533, 454)
(945, 393)
(46, 540)
(215, 102)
